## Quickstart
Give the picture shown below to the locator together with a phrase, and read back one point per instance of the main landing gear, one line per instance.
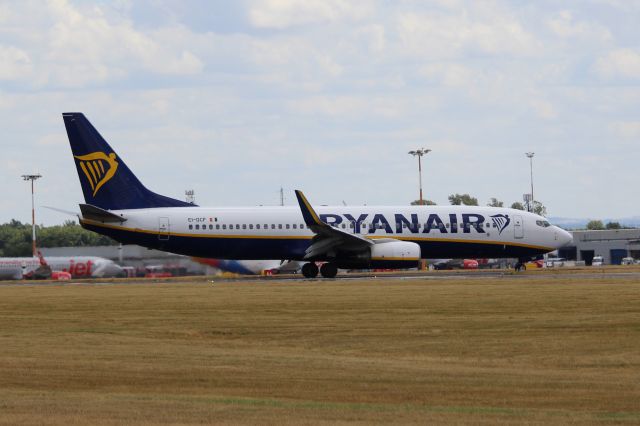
(520, 266)
(327, 270)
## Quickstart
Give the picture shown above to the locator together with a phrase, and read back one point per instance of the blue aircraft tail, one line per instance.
(106, 180)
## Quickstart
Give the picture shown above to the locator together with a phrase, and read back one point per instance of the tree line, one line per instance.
(15, 237)
(468, 200)
(538, 208)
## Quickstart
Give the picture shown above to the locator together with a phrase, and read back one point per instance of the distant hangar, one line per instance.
(612, 244)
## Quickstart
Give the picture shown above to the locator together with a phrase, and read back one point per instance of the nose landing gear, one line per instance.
(520, 266)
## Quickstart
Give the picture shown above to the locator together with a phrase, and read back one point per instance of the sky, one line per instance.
(236, 99)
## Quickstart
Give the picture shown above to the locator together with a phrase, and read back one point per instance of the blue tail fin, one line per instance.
(106, 180)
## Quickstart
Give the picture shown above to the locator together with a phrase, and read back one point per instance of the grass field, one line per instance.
(550, 350)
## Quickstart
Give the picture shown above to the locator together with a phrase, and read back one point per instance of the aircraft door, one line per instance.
(163, 228)
(518, 226)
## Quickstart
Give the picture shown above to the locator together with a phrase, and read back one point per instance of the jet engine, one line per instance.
(384, 254)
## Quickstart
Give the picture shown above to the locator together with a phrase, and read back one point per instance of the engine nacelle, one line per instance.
(389, 254)
(395, 255)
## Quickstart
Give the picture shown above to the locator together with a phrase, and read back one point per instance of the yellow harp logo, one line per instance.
(98, 167)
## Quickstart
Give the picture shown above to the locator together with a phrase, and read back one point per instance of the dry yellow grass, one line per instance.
(490, 351)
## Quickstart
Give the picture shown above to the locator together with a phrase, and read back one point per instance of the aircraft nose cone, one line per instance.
(564, 237)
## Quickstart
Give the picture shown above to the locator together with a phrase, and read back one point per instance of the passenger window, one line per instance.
(217, 226)
(295, 226)
(210, 226)
(197, 226)
(287, 226)
(190, 226)
(266, 226)
(244, 226)
(237, 226)
(251, 226)
(224, 226)
(273, 226)
(279, 226)
(258, 226)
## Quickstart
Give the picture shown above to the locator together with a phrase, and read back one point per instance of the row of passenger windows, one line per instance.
(249, 226)
(343, 226)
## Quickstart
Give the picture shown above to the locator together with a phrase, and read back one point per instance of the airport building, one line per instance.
(612, 244)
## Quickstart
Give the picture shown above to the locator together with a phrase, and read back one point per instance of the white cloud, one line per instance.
(450, 35)
(5, 13)
(73, 45)
(14, 63)
(543, 108)
(88, 47)
(564, 25)
(627, 129)
(619, 63)
(281, 14)
(374, 36)
(348, 107)
(450, 74)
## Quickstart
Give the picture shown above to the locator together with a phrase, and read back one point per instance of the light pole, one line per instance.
(32, 178)
(530, 155)
(419, 153)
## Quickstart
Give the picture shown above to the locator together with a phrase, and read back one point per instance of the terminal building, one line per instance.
(612, 244)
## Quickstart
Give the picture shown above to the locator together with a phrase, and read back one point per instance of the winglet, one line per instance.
(309, 215)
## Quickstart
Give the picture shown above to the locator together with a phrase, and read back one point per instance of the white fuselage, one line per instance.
(14, 268)
(281, 233)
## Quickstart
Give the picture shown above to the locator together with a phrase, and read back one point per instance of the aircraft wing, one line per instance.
(327, 238)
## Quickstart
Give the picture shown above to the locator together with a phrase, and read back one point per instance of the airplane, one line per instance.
(440, 264)
(16, 268)
(251, 267)
(118, 205)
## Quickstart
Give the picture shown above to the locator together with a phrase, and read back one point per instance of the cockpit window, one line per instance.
(543, 223)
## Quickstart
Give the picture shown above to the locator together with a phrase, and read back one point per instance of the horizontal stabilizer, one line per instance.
(96, 213)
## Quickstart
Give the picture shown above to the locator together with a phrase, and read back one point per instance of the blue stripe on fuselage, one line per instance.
(294, 248)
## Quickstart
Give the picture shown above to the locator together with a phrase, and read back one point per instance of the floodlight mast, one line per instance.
(530, 156)
(32, 178)
(419, 153)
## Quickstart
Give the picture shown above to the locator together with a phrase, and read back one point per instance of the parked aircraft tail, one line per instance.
(106, 180)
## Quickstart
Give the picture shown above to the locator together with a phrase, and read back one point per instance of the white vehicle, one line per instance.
(554, 262)
(15, 268)
(348, 237)
(628, 261)
(597, 261)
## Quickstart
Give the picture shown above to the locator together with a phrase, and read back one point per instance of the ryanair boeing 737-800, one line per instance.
(118, 205)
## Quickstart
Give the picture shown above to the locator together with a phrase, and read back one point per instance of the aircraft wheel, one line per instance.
(310, 270)
(329, 270)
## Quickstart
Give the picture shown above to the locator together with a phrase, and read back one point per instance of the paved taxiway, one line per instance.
(483, 275)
